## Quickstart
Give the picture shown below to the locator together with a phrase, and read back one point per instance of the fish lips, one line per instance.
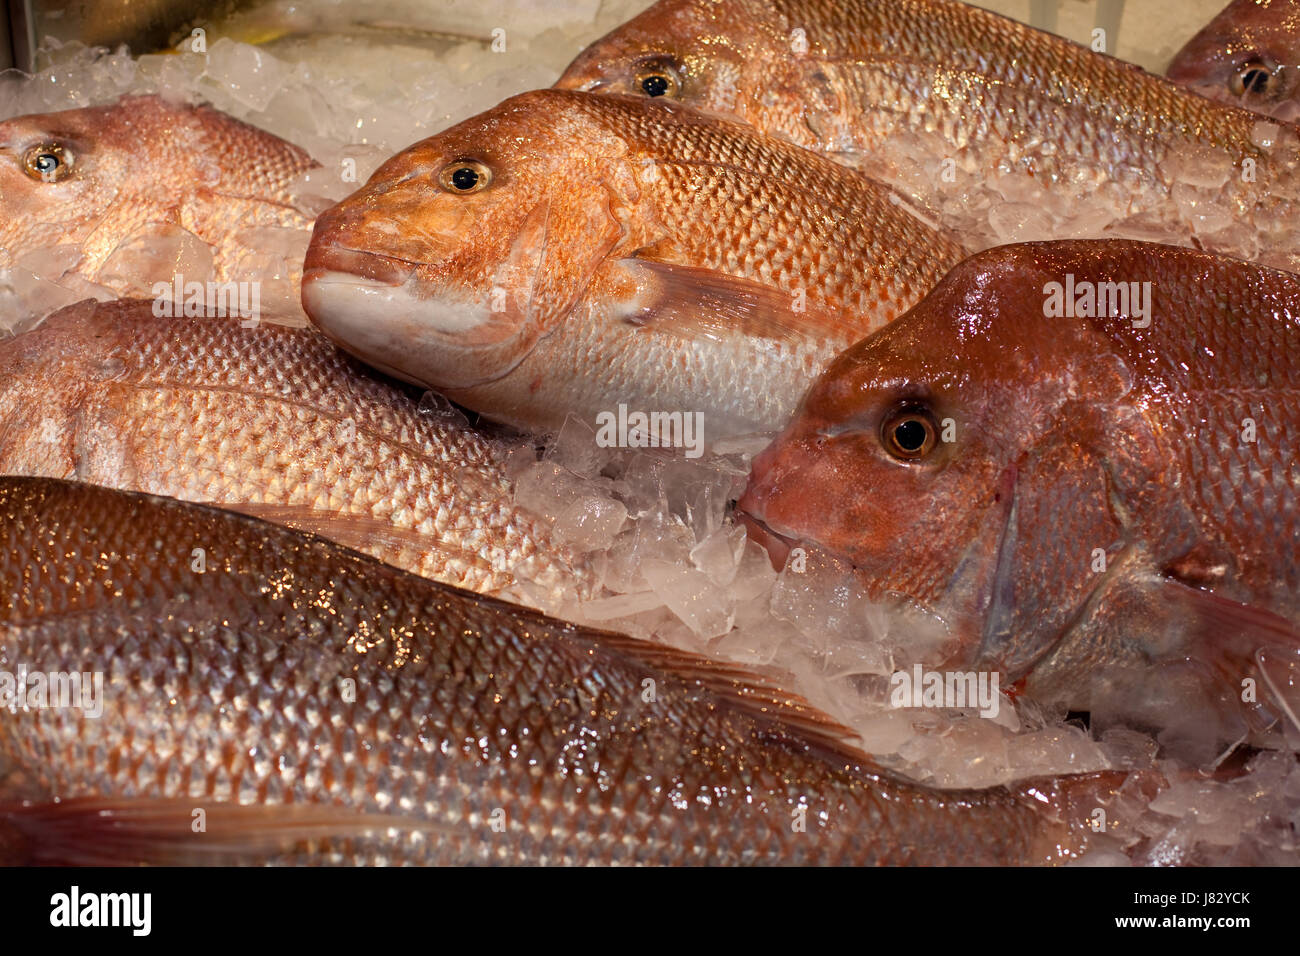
(377, 308)
(777, 546)
(751, 511)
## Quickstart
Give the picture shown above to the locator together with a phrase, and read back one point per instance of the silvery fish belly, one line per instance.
(294, 701)
(121, 195)
(1010, 133)
(568, 254)
(1247, 56)
(1083, 455)
(275, 422)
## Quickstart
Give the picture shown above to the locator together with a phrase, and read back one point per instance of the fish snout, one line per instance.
(755, 506)
(794, 498)
(588, 72)
(380, 309)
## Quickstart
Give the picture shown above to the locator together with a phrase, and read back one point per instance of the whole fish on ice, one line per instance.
(278, 423)
(1082, 455)
(566, 253)
(1003, 128)
(319, 706)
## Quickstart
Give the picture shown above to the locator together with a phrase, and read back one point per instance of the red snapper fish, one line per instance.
(1001, 128)
(565, 253)
(131, 194)
(317, 706)
(1082, 456)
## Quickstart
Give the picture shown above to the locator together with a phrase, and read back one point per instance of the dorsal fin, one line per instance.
(734, 685)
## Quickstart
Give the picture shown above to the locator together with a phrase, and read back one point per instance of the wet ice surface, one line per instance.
(675, 567)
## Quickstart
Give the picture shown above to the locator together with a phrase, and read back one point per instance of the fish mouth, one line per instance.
(324, 259)
(777, 545)
(376, 307)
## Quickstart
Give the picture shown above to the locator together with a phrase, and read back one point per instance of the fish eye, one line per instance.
(464, 176)
(909, 433)
(48, 162)
(657, 78)
(1254, 77)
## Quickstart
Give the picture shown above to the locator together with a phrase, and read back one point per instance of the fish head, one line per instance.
(1248, 56)
(464, 251)
(925, 453)
(95, 176)
(694, 52)
(60, 175)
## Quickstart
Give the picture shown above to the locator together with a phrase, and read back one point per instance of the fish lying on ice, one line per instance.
(1082, 456)
(1248, 56)
(275, 422)
(143, 179)
(318, 706)
(987, 119)
(566, 253)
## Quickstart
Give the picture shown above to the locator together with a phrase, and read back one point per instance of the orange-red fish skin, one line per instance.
(143, 164)
(957, 89)
(295, 675)
(278, 422)
(624, 251)
(1098, 494)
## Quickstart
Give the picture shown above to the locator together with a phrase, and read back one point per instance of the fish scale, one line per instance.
(742, 178)
(273, 419)
(615, 238)
(466, 711)
(898, 86)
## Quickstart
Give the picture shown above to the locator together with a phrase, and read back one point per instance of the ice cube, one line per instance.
(719, 554)
(1201, 210)
(756, 638)
(574, 448)
(824, 600)
(697, 601)
(247, 74)
(884, 732)
(1127, 749)
(621, 605)
(1020, 222)
(1054, 750)
(439, 410)
(158, 254)
(590, 523)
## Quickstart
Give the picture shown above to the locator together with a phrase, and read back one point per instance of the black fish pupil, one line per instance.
(1255, 80)
(47, 162)
(654, 85)
(910, 435)
(464, 178)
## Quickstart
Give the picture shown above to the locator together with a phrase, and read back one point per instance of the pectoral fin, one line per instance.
(113, 831)
(693, 301)
(1245, 644)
